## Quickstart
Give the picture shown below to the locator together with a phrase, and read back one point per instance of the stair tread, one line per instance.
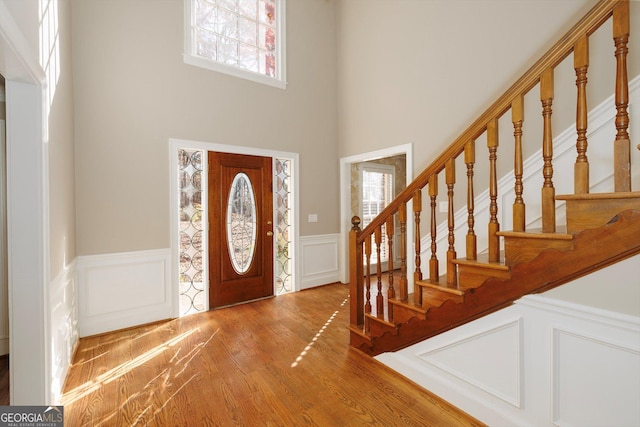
(360, 331)
(600, 196)
(483, 261)
(410, 304)
(536, 233)
(384, 320)
(441, 285)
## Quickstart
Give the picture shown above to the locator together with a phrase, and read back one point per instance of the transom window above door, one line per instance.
(243, 38)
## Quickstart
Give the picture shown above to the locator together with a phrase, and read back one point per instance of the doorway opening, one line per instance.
(191, 242)
(353, 202)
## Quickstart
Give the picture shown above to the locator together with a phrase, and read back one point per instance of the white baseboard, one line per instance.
(116, 291)
(319, 260)
(64, 327)
(541, 361)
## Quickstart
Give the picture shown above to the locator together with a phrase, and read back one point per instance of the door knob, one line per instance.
(269, 233)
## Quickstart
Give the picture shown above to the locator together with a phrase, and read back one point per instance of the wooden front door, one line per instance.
(240, 228)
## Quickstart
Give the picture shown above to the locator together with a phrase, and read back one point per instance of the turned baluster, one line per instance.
(470, 159)
(379, 298)
(517, 117)
(356, 313)
(622, 144)
(417, 210)
(581, 64)
(494, 225)
(548, 191)
(450, 178)
(434, 274)
(391, 293)
(402, 217)
(367, 277)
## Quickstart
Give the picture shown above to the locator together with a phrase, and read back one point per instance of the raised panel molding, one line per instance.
(64, 327)
(578, 365)
(499, 375)
(610, 371)
(319, 258)
(121, 290)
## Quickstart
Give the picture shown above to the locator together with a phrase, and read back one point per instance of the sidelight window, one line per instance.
(191, 228)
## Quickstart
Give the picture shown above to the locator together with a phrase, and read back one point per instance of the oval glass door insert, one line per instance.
(241, 223)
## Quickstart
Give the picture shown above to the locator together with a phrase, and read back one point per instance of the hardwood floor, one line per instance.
(283, 361)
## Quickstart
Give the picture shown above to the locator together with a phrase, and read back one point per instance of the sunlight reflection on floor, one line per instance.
(317, 336)
(113, 374)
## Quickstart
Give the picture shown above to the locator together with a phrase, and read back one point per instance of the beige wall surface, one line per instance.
(60, 142)
(62, 208)
(133, 92)
(25, 14)
(422, 71)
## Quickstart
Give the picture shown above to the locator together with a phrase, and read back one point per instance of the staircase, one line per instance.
(601, 228)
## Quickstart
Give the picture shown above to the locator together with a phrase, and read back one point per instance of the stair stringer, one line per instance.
(594, 249)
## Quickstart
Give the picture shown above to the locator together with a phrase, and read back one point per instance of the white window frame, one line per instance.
(191, 58)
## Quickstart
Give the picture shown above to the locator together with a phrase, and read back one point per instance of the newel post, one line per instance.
(356, 312)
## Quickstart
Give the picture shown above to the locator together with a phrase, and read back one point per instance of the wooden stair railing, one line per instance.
(371, 317)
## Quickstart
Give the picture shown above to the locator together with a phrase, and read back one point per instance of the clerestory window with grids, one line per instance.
(243, 38)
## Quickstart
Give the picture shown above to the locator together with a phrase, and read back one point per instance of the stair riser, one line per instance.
(434, 298)
(472, 277)
(518, 249)
(589, 214)
(402, 314)
(378, 327)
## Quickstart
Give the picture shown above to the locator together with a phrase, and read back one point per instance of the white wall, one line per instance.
(595, 289)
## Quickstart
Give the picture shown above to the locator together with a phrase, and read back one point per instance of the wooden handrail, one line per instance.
(556, 54)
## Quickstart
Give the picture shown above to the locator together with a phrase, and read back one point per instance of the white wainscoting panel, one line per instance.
(563, 364)
(500, 375)
(64, 327)
(614, 385)
(319, 258)
(125, 289)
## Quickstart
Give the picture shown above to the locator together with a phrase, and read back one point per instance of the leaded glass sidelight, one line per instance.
(241, 223)
(191, 264)
(283, 275)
